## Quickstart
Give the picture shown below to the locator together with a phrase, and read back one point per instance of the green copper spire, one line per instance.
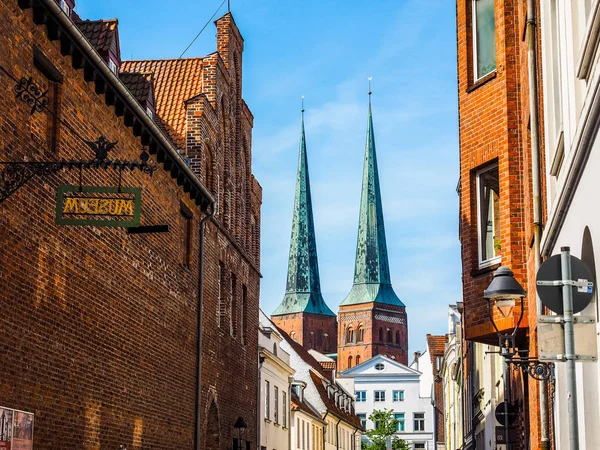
(303, 290)
(371, 271)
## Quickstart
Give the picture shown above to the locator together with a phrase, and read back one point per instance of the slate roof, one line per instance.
(100, 33)
(303, 288)
(175, 82)
(139, 84)
(372, 281)
(302, 406)
(352, 419)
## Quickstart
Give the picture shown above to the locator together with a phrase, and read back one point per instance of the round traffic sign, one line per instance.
(505, 413)
(551, 296)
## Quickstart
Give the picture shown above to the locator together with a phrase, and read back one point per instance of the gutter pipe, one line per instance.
(537, 207)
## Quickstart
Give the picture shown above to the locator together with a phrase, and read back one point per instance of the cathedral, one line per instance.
(371, 319)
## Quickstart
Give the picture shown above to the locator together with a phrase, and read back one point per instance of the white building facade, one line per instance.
(275, 376)
(382, 383)
(571, 71)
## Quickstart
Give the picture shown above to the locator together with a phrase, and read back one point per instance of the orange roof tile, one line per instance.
(175, 81)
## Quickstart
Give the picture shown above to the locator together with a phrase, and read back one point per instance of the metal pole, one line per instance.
(506, 401)
(565, 264)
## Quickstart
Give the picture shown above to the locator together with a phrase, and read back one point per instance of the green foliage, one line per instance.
(386, 427)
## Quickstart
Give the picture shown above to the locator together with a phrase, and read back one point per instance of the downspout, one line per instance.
(326, 428)
(198, 425)
(354, 440)
(337, 435)
(536, 182)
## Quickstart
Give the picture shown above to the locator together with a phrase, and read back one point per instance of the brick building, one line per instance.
(500, 210)
(372, 319)
(100, 325)
(303, 313)
(436, 346)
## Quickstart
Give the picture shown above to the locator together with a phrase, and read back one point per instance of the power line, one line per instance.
(205, 25)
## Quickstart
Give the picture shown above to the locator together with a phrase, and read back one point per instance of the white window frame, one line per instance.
(496, 259)
(267, 400)
(380, 394)
(276, 404)
(474, 40)
(112, 66)
(65, 7)
(284, 409)
(400, 393)
(398, 421)
(421, 420)
(359, 394)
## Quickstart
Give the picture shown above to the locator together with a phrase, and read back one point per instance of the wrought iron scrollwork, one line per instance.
(536, 369)
(29, 92)
(14, 175)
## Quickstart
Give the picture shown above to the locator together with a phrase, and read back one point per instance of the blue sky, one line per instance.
(326, 50)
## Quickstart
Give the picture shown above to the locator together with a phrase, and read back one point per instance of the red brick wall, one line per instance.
(372, 317)
(303, 324)
(98, 327)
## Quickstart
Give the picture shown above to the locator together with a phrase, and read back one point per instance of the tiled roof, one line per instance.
(139, 84)
(303, 353)
(175, 81)
(297, 404)
(352, 419)
(100, 33)
(436, 346)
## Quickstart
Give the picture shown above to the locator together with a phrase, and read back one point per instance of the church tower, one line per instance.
(303, 313)
(372, 319)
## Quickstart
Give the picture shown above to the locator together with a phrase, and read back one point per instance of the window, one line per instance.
(488, 211)
(399, 421)
(349, 361)
(54, 79)
(311, 339)
(419, 446)
(276, 399)
(221, 300)
(438, 363)
(419, 421)
(361, 396)
(112, 66)
(379, 366)
(233, 323)
(65, 7)
(398, 396)
(397, 338)
(380, 396)
(389, 335)
(349, 335)
(326, 342)
(303, 437)
(298, 433)
(149, 112)
(284, 409)
(381, 335)
(484, 38)
(267, 400)
(363, 420)
(293, 336)
(357, 360)
(244, 313)
(361, 334)
(186, 220)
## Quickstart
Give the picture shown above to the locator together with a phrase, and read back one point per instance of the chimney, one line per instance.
(416, 356)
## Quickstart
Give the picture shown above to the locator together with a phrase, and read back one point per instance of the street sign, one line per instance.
(501, 435)
(100, 206)
(505, 413)
(550, 284)
(551, 338)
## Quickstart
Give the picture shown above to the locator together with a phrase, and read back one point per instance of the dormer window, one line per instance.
(149, 112)
(65, 7)
(112, 66)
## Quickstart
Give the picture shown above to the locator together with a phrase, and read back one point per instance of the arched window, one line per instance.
(357, 360)
(380, 334)
(326, 342)
(398, 337)
(349, 335)
(311, 339)
(293, 336)
(361, 333)
(389, 336)
(349, 361)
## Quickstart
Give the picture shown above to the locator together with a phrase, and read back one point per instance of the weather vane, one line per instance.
(370, 78)
(302, 103)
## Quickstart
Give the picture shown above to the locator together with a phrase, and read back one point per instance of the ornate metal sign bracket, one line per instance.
(14, 175)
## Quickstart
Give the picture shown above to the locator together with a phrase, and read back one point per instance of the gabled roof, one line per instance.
(139, 84)
(362, 369)
(100, 33)
(298, 405)
(175, 82)
(436, 346)
(372, 281)
(332, 408)
(302, 352)
(303, 287)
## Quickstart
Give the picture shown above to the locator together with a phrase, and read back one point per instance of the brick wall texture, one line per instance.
(494, 119)
(98, 327)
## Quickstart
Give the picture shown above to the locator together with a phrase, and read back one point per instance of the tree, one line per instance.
(385, 426)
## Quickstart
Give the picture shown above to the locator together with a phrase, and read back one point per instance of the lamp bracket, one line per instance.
(536, 369)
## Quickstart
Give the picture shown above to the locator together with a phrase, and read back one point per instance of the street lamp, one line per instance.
(240, 426)
(502, 295)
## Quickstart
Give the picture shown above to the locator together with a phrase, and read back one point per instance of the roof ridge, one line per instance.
(163, 59)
